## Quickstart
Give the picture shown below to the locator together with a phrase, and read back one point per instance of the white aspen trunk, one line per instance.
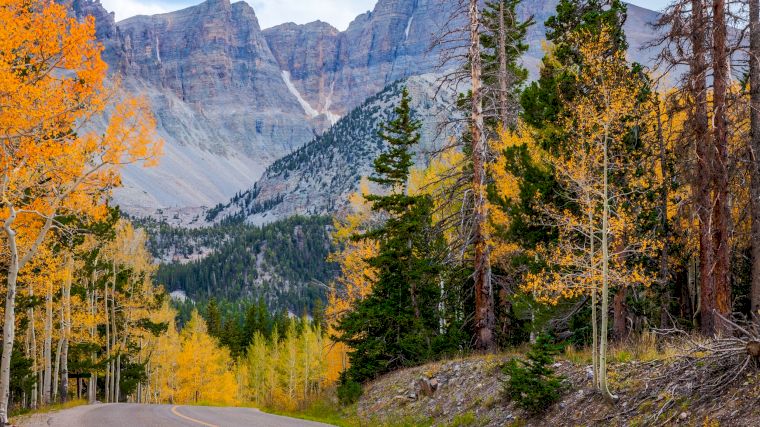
(147, 370)
(57, 369)
(117, 391)
(15, 263)
(9, 323)
(27, 351)
(92, 384)
(113, 335)
(107, 391)
(307, 361)
(66, 303)
(594, 302)
(605, 277)
(47, 348)
(33, 352)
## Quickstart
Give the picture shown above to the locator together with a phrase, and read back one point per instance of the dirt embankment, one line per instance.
(470, 392)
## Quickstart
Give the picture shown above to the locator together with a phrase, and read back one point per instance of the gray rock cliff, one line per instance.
(231, 99)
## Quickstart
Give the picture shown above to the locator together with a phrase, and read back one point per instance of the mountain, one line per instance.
(231, 98)
(317, 178)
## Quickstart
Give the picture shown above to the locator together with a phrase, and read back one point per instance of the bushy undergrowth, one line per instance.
(349, 391)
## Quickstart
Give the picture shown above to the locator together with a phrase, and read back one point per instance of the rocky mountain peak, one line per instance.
(230, 98)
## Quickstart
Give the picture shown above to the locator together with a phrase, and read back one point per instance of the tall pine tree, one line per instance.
(397, 324)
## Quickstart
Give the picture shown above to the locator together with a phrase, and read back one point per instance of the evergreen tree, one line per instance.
(542, 101)
(543, 104)
(397, 323)
(213, 318)
(231, 336)
(503, 45)
(257, 319)
(533, 383)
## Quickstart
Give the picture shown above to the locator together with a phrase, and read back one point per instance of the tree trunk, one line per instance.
(721, 210)
(754, 148)
(117, 387)
(33, 352)
(667, 291)
(484, 305)
(93, 384)
(503, 74)
(620, 316)
(107, 391)
(605, 277)
(47, 346)
(9, 323)
(114, 334)
(57, 369)
(594, 302)
(702, 185)
(66, 332)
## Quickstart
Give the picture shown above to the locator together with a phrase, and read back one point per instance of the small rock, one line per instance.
(425, 387)
(589, 373)
(434, 384)
(683, 415)
(557, 365)
(412, 396)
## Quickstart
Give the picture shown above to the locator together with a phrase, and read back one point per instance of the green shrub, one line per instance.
(349, 391)
(533, 385)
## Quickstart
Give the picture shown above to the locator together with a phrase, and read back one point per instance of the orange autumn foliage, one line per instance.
(52, 164)
(51, 86)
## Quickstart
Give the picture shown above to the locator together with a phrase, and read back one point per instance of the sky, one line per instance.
(339, 13)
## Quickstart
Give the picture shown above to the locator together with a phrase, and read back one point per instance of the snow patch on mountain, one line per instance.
(292, 88)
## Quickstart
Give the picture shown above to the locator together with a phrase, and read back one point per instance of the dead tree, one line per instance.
(754, 147)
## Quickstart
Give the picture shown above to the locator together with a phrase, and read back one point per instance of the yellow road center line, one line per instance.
(176, 412)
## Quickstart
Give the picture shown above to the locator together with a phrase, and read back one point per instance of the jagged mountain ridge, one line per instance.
(318, 178)
(232, 98)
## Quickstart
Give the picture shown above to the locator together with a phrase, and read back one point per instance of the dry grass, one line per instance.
(644, 347)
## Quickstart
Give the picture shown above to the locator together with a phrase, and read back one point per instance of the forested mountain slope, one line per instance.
(317, 178)
(284, 263)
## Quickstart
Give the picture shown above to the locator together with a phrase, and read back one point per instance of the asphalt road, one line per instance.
(136, 415)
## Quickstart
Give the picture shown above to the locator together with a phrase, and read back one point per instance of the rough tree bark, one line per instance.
(484, 304)
(620, 314)
(701, 186)
(754, 99)
(721, 210)
(667, 291)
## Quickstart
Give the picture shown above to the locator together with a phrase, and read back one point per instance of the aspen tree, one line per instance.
(52, 60)
(584, 259)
